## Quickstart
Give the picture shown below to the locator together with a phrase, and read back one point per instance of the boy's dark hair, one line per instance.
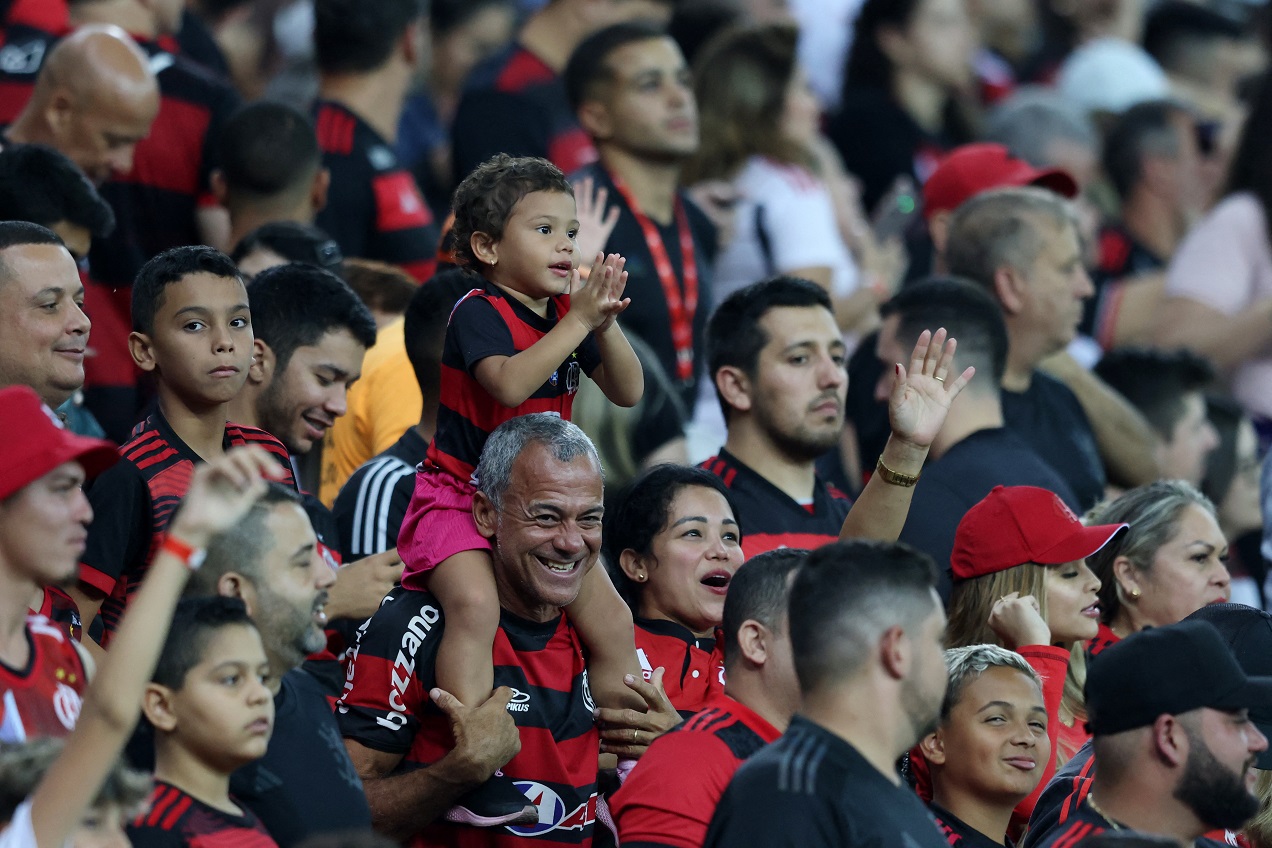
(195, 622)
(643, 509)
(845, 596)
(1156, 381)
(1174, 27)
(965, 310)
(758, 592)
(170, 267)
(589, 68)
(425, 324)
(23, 764)
(294, 242)
(40, 185)
(1142, 130)
(354, 36)
(734, 334)
(267, 149)
(379, 285)
(295, 305)
(486, 197)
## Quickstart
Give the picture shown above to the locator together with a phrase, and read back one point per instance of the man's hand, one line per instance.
(627, 733)
(1018, 622)
(921, 396)
(595, 221)
(222, 491)
(486, 737)
(361, 586)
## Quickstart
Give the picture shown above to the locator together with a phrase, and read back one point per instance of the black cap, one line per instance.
(1248, 632)
(1168, 671)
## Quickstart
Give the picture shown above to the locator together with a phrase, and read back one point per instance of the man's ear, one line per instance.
(234, 585)
(933, 748)
(318, 190)
(1010, 287)
(484, 514)
(1171, 740)
(595, 120)
(754, 640)
(261, 372)
(142, 350)
(894, 652)
(156, 704)
(735, 387)
(59, 112)
(219, 188)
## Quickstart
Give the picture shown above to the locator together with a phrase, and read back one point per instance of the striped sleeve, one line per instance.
(380, 497)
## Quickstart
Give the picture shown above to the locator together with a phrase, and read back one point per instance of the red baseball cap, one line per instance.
(1014, 525)
(35, 442)
(974, 168)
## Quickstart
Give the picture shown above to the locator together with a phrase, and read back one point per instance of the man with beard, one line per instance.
(779, 365)
(1169, 711)
(866, 628)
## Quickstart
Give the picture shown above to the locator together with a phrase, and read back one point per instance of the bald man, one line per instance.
(94, 100)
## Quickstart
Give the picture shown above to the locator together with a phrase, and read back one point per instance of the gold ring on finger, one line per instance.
(938, 379)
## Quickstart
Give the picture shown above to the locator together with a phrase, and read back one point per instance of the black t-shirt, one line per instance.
(810, 788)
(960, 833)
(648, 316)
(305, 784)
(956, 482)
(1049, 418)
(372, 503)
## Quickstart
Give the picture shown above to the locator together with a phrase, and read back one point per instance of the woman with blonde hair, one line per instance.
(1021, 581)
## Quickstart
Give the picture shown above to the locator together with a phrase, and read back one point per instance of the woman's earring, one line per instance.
(1135, 593)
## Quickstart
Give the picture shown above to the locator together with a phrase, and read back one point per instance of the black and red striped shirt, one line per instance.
(374, 207)
(486, 322)
(960, 834)
(176, 818)
(769, 517)
(44, 698)
(514, 103)
(665, 804)
(30, 27)
(693, 668)
(1082, 823)
(134, 500)
(385, 707)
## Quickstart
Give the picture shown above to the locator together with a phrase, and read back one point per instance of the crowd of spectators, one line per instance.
(648, 423)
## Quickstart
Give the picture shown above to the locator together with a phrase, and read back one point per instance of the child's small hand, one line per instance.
(598, 300)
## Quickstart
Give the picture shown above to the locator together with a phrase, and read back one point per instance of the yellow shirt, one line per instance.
(382, 406)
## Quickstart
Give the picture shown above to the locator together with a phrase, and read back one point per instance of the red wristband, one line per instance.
(191, 557)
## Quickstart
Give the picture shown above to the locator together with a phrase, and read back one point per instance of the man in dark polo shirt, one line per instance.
(663, 803)
(629, 86)
(974, 451)
(1169, 711)
(368, 55)
(866, 631)
(515, 102)
(539, 498)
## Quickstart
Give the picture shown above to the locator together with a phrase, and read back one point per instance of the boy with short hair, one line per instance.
(212, 712)
(193, 331)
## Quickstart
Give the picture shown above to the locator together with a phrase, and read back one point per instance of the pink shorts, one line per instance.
(438, 524)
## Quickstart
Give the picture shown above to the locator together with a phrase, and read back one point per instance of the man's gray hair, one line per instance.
(1005, 227)
(1034, 118)
(565, 440)
(970, 662)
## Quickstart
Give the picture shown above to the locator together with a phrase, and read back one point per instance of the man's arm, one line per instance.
(486, 738)
(1226, 340)
(1126, 442)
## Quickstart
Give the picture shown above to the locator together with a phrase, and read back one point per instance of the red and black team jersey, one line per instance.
(960, 833)
(374, 207)
(693, 667)
(770, 518)
(176, 818)
(59, 608)
(29, 29)
(134, 500)
(385, 707)
(44, 698)
(1103, 638)
(1083, 822)
(516, 104)
(665, 804)
(486, 322)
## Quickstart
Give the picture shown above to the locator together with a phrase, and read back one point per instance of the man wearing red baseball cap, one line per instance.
(44, 520)
(974, 168)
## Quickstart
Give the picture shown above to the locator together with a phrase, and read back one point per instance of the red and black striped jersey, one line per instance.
(1082, 823)
(385, 707)
(44, 698)
(30, 27)
(133, 502)
(960, 834)
(665, 804)
(176, 819)
(374, 207)
(60, 609)
(486, 322)
(514, 103)
(693, 668)
(770, 518)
